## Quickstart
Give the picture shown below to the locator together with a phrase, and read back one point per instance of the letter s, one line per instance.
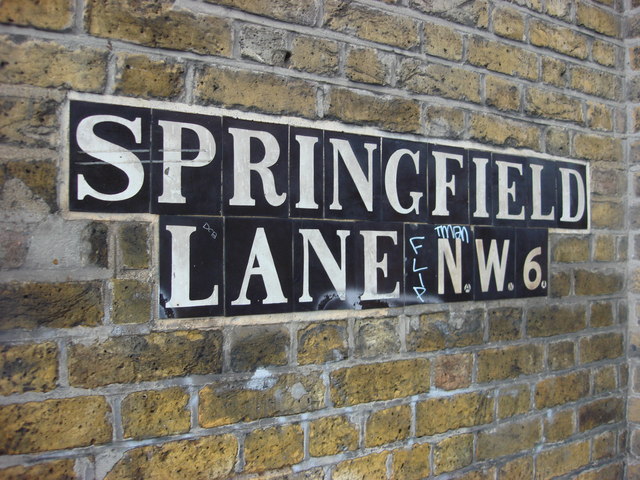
(112, 154)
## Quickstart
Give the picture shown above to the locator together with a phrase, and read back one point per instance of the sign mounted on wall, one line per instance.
(260, 217)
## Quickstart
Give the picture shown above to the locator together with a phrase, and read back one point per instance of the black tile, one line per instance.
(191, 267)
(509, 190)
(187, 163)
(324, 265)
(494, 259)
(306, 178)
(109, 158)
(448, 180)
(531, 262)
(540, 177)
(404, 180)
(438, 263)
(572, 199)
(480, 188)
(258, 269)
(255, 168)
(352, 176)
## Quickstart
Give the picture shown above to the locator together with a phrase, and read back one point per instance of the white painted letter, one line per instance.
(391, 181)
(441, 183)
(566, 195)
(307, 191)
(337, 274)
(492, 264)
(536, 195)
(364, 184)
(505, 191)
(481, 187)
(372, 265)
(445, 255)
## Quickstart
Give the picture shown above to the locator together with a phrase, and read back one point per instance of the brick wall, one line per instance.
(95, 386)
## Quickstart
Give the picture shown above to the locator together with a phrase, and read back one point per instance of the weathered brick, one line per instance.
(598, 19)
(49, 64)
(444, 122)
(560, 460)
(131, 301)
(332, 435)
(510, 362)
(141, 76)
(53, 305)
(97, 235)
(614, 470)
(389, 113)
(559, 9)
(608, 181)
(508, 439)
(263, 44)
(484, 474)
(439, 415)
(442, 41)
(561, 355)
(601, 347)
(560, 39)
(30, 122)
(371, 24)
(501, 131)
(369, 467)
(554, 71)
(50, 15)
(569, 249)
(54, 470)
(604, 249)
(607, 215)
(502, 58)
(14, 246)
(466, 13)
(439, 80)
(133, 240)
(514, 401)
(504, 324)
(595, 82)
(322, 342)
(453, 371)
(453, 453)
(38, 178)
(589, 282)
(633, 408)
(257, 346)
(600, 412)
(557, 141)
(54, 425)
(388, 425)
(302, 11)
(130, 359)
(411, 463)
(437, 331)
(604, 446)
(376, 337)
(559, 425)
(605, 53)
(157, 24)
(264, 91)
(597, 147)
(519, 468)
(156, 413)
(31, 367)
(508, 23)
(314, 55)
(226, 402)
(548, 320)
(211, 457)
(273, 447)
(501, 93)
(563, 389)
(368, 65)
(602, 314)
(542, 103)
(403, 378)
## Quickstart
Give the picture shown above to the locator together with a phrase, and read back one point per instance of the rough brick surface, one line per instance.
(272, 448)
(155, 413)
(55, 470)
(438, 415)
(332, 435)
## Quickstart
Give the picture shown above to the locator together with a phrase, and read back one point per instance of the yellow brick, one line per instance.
(600, 412)
(561, 355)
(598, 283)
(264, 91)
(28, 368)
(601, 347)
(604, 53)
(133, 244)
(131, 301)
(322, 342)
(388, 425)
(500, 131)
(444, 122)
(369, 467)
(502, 58)
(31, 122)
(50, 15)
(571, 249)
(554, 71)
(314, 55)
(562, 389)
(367, 65)
(604, 446)
(514, 401)
(439, 80)
(545, 321)
(509, 362)
(559, 425)
(389, 113)
(258, 346)
(301, 11)
(501, 93)
(54, 425)
(559, 8)
(141, 76)
(439, 415)
(442, 41)
(350, 386)
(453, 453)
(557, 141)
(225, 402)
(156, 413)
(599, 116)
(521, 468)
(596, 82)
(55, 470)
(206, 458)
(376, 337)
(614, 470)
(155, 23)
(475, 14)
(607, 215)
(411, 463)
(597, 147)
(507, 22)
(602, 314)
(370, 24)
(508, 439)
(561, 460)
(560, 39)
(273, 448)
(332, 435)
(436, 331)
(598, 19)
(453, 371)
(540, 102)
